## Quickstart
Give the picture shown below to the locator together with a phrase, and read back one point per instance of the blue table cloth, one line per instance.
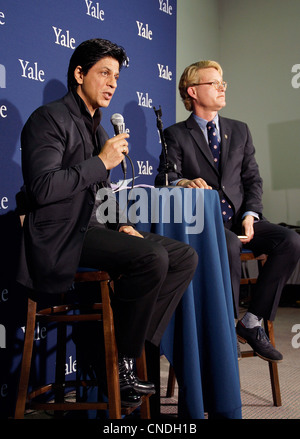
(200, 341)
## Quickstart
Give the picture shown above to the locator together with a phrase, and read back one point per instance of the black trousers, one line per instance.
(282, 245)
(150, 276)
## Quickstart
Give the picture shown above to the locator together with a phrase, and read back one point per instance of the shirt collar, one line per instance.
(85, 112)
(202, 122)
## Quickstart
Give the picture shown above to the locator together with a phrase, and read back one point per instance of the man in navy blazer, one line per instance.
(231, 169)
(66, 159)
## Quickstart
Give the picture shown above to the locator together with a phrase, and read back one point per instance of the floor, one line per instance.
(256, 392)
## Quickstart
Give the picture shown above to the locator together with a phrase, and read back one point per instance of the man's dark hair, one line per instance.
(89, 53)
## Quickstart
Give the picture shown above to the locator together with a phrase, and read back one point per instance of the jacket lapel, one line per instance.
(76, 116)
(225, 141)
(102, 137)
(200, 140)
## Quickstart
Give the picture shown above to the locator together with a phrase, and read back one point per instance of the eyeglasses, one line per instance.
(218, 85)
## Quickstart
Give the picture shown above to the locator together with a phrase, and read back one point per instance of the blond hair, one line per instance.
(192, 75)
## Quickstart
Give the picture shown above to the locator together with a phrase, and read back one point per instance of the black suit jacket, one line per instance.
(238, 177)
(59, 175)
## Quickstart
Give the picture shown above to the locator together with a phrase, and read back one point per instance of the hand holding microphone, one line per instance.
(114, 149)
(117, 121)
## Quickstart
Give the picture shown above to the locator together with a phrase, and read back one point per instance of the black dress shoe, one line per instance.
(258, 340)
(129, 396)
(139, 385)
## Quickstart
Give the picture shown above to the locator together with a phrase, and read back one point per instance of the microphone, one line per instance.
(117, 121)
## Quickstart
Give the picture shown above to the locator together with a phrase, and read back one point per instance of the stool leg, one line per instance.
(141, 368)
(111, 355)
(153, 370)
(273, 368)
(171, 382)
(26, 360)
(60, 366)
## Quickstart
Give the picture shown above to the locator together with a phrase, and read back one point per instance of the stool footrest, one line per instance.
(58, 313)
(69, 405)
(65, 406)
(246, 354)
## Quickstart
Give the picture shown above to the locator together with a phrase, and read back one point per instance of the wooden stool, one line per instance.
(60, 314)
(247, 255)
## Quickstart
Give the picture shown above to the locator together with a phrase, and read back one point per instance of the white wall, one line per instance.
(257, 43)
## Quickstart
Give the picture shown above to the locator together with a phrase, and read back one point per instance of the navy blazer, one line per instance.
(59, 175)
(238, 176)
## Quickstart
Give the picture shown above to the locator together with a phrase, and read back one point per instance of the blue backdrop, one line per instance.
(37, 39)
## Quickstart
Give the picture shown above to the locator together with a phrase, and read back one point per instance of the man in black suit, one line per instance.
(66, 159)
(213, 152)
